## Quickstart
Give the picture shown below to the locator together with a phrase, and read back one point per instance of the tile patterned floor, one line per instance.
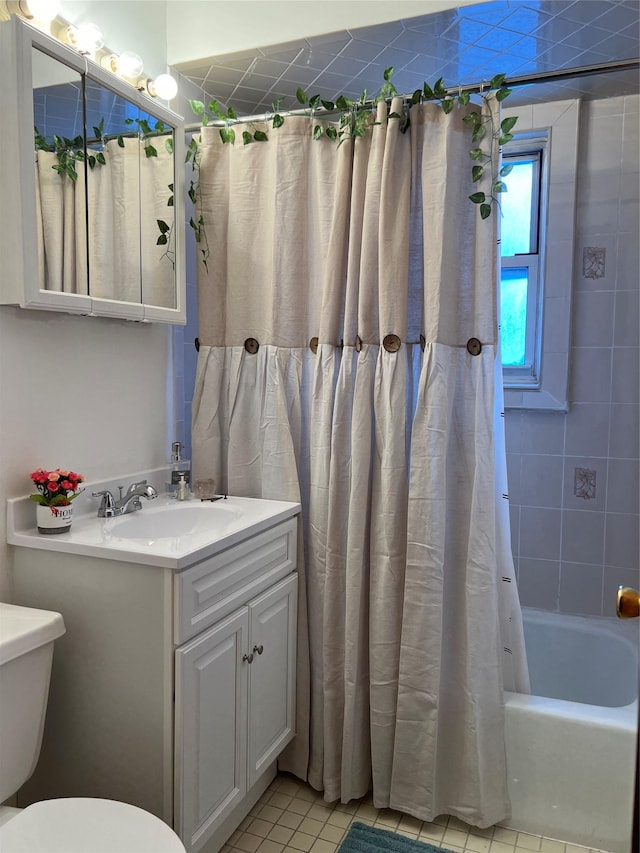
(293, 818)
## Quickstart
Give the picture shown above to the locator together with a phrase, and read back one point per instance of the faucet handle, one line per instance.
(134, 486)
(107, 504)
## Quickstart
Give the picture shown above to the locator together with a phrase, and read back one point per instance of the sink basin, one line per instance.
(175, 522)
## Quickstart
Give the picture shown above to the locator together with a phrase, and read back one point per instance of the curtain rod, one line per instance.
(472, 88)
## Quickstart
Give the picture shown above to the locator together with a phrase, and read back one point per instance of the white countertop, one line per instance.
(204, 528)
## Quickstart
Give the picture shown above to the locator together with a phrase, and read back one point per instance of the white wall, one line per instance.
(80, 392)
(198, 29)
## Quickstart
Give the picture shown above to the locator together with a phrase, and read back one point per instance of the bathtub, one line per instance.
(571, 745)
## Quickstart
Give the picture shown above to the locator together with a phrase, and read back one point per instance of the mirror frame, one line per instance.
(19, 278)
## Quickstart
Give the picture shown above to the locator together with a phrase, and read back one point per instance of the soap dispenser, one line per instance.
(179, 472)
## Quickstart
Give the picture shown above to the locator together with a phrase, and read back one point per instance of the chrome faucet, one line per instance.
(129, 502)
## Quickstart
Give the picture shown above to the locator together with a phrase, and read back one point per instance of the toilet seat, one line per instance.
(84, 825)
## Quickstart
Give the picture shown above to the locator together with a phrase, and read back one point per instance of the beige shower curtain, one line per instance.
(366, 276)
(125, 198)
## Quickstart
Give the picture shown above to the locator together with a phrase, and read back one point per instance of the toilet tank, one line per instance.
(26, 652)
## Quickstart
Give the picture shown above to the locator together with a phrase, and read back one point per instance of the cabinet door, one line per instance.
(272, 633)
(210, 748)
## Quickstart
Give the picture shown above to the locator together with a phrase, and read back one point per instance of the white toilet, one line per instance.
(70, 825)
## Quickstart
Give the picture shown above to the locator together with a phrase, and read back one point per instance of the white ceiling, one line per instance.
(464, 45)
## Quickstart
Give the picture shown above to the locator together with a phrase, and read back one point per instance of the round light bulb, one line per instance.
(164, 86)
(129, 64)
(90, 38)
(42, 10)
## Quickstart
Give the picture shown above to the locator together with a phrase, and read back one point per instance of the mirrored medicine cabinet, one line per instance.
(92, 181)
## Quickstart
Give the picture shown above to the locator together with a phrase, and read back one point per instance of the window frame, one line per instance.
(532, 147)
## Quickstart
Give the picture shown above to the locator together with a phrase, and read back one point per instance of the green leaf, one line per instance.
(92, 161)
(162, 225)
(96, 132)
(394, 115)
(260, 136)
(205, 120)
(214, 107)
(317, 131)
(439, 90)
(343, 103)
(160, 126)
(506, 170)
(476, 173)
(471, 118)
(277, 121)
(120, 141)
(416, 97)
(485, 211)
(477, 198)
(388, 73)
(507, 123)
(150, 151)
(130, 120)
(144, 125)
(168, 144)
(72, 172)
(192, 194)
(328, 105)
(170, 201)
(464, 98)
(331, 132)
(476, 153)
(506, 137)
(478, 132)
(428, 92)
(503, 93)
(314, 102)
(447, 105)
(162, 240)
(246, 137)
(227, 134)
(100, 158)
(231, 113)
(497, 81)
(499, 187)
(301, 95)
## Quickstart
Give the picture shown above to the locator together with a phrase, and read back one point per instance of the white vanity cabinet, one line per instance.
(234, 708)
(172, 689)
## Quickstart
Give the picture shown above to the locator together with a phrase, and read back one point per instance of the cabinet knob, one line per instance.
(248, 658)
(259, 649)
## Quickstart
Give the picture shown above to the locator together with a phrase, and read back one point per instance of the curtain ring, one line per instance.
(358, 343)
(313, 345)
(251, 345)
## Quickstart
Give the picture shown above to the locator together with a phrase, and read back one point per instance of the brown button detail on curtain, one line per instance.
(313, 345)
(358, 343)
(474, 347)
(251, 345)
(391, 343)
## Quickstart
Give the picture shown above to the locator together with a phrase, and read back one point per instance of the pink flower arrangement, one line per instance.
(56, 488)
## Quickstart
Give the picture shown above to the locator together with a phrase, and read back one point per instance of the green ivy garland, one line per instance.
(354, 121)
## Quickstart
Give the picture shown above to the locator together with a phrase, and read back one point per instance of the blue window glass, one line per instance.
(517, 208)
(514, 282)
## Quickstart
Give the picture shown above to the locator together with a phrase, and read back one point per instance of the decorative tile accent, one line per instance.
(584, 483)
(593, 262)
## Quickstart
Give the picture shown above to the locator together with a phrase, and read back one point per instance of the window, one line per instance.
(522, 241)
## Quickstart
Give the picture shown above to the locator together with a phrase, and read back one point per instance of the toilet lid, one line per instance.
(83, 825)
